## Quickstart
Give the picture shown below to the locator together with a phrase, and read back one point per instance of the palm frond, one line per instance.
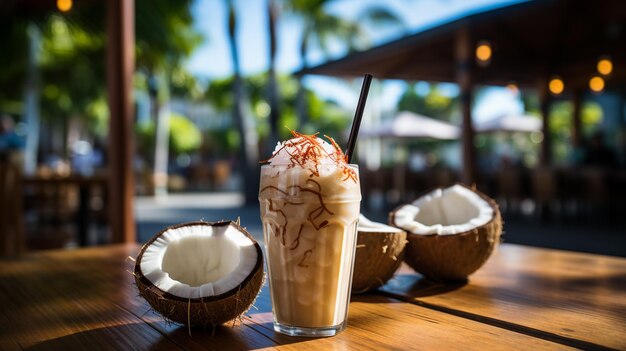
(381, 16)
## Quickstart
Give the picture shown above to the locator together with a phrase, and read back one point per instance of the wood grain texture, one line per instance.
(50, 303)
(381, 323)
(573, 298)
(12, 238)
(85, 299)
(120, 67)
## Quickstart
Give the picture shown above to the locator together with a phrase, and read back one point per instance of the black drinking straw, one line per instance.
(358, 115)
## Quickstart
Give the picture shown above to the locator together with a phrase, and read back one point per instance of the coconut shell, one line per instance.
(208, 311)
(378, 256)
(449, 258)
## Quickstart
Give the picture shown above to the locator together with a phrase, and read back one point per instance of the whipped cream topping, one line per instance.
(313, 155)
(286, 150)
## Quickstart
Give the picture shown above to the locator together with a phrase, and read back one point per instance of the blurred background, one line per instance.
(121, 117)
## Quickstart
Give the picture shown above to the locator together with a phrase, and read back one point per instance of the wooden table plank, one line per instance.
(573, 298)
(223, 338)
(381, 323)
(46, 306)
(84, 299)
(92, 301)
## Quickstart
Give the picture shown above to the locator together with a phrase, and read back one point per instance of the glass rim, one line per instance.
(353, 165)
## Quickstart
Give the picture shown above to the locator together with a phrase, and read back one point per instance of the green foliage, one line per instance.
(71, 59)
(327, 118)
(72, 70)
(220, 94)
(145, 136)
(434, 104)
(321, 26)
(222, 143)
(164, 33)
(12, 60)
(561, 113)
(590, 116)
(560, 129)
(184, 84)
(97, 112)
(324, 117)
(185, 137)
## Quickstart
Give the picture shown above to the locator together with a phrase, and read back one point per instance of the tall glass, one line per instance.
(310, 229)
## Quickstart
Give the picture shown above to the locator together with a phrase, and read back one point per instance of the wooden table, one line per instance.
(84, 184)
(523, 299)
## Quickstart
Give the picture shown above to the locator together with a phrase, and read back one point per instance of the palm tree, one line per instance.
(320, 27)
(248, 152)
(31, 100)
(64, 60)
(273, 93)
(163, 43)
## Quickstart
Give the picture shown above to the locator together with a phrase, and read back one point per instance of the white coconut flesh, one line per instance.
(368, 226)
(196, 261)
(448, 211)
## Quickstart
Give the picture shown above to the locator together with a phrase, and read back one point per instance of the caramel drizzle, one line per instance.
(281, 231)
(309, 151)
(306, 255)
(296, 241)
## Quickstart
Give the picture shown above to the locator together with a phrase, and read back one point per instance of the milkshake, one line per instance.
(310, 200)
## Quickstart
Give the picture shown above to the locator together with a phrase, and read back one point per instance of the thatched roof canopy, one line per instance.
(530, 41)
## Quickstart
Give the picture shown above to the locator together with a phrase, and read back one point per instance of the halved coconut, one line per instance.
(379, 253)
(200, 274)
(452, 232)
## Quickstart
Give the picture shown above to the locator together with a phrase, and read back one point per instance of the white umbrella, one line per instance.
(411, 125)
(510, 123)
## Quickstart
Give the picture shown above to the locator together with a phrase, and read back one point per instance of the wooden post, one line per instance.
(120, 66)
(464, 63)
(544, 105)
(576, 119)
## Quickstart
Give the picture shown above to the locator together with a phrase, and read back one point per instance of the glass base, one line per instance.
(309, 332)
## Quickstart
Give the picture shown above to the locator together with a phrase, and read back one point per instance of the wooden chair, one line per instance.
(416, 184)
(441, 177)
(616, 195)
(509, 189)
(595, 193)
(545, 190)
(12, 239)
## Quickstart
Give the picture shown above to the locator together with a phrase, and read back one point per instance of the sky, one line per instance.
(212, 59)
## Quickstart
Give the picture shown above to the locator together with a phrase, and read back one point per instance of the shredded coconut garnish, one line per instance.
(309, 152)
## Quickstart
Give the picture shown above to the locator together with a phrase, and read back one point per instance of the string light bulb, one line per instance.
(483, 51)
(556, 86)
(605, 66)
(64, 5)
(596, 84)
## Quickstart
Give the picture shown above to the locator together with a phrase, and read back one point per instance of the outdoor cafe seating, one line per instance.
(480, 196)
